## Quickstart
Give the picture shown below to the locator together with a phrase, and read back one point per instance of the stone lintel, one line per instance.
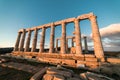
(58, 23)
(21, 30)
(28, 29)
(70, 37)
(58, 38)
(85, 16)
(69, 20)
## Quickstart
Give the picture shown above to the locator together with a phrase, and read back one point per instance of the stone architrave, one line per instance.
(34, 43)
(63, 39)
(78, 38)
(22, 40)
(17, 42)
(42, 40)
(51, 50)
(28, 41)
(98, 48)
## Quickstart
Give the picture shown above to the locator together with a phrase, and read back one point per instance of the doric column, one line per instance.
(22, 40)
(98, 48)
(51, 50)
(85, 44)
(72, 42)
(56, 45)
(63, 39)
(78, 37)
(17, 42)
(42, 40)
(28, 41)
(34, 43)
(66, 44)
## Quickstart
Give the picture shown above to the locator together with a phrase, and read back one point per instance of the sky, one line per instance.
(17, 14)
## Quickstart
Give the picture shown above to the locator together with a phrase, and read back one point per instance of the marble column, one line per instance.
(98, 48)
(42, 40)
(17, 42)
(66, 44)
(63, 39)
(56, 45)
(34, 42)
(72, 42)
(22, 40)
(85, 44)
(51, 50)
(78, 38)
(28, 41)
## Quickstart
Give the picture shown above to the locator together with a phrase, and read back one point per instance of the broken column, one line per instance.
(34, 43)
(51, 50)
(42, 40)
(85, 44)
(63, 39)
(78, 38)
(98, 48)
(28, 41)
(17, 42)
(22, 40)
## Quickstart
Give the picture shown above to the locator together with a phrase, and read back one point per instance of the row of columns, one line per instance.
(72, 42)
(95, 33)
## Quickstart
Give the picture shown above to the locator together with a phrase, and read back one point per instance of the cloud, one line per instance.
(111, 37)
(40, 33)
(112, 30)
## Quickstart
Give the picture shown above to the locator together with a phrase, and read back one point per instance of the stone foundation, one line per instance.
(71, 60)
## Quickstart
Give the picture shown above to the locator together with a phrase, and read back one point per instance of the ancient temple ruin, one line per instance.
(75, 56)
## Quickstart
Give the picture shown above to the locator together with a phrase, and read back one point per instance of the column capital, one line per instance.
(92, 17)
(52, 24)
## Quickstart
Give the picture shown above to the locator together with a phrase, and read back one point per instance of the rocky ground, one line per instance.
(12, 68)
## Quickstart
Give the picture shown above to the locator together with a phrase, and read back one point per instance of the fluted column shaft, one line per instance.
(66, 44)
(28, 41)
(78, 37)
(51, 50)
(22, 40)
(63, 39)
(42, 40)
(72, 42)
(34, 43)
(85, 44)
(56, 45)
(98, 48)
(17, 42)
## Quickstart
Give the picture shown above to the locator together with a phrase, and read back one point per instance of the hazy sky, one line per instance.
(17, 14)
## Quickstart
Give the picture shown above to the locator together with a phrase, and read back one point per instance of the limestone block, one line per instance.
(113, 60)
(68, 61)
(58, 77)
(48, 77)
(80, 64)
(79, 57)
(92, 64)
(89, 55)
(59, 72)
(91, 59)
(39, 74)
(94, 76)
